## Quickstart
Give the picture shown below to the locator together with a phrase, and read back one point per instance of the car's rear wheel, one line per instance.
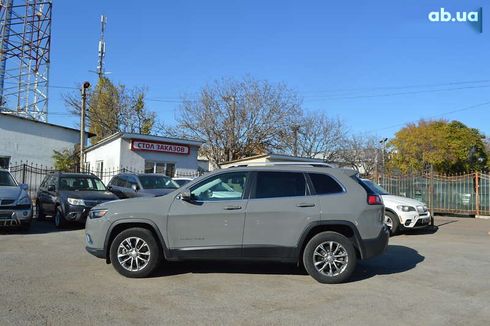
(59, 219)
(135, 253)
(392, 222)
(329, 257)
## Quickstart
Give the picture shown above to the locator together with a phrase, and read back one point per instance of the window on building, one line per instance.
(4, 162)
(280, 184)
(325, 184)
(160, 167)
(99, 167)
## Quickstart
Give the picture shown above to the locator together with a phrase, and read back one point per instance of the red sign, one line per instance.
(142, 145)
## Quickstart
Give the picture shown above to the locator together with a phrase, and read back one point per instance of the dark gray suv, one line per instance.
(322, 217)
(129, 185)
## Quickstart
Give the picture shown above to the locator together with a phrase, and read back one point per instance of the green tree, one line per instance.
(66, 160)
(113, 108)
(449, 147)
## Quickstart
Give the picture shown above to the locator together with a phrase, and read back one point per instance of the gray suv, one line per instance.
(324, 218)
(129, 185)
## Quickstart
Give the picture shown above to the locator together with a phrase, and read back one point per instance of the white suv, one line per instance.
(401, 212)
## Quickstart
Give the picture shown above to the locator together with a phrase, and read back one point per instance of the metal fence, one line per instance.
(463, 194)
(33, 174)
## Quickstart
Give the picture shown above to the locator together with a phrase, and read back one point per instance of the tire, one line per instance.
(39, 212)
(318, 259)
(130, 263)
(392, 222)
(59, 219)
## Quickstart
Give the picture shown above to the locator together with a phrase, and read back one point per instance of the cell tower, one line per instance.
(100, 65)
(25, 39)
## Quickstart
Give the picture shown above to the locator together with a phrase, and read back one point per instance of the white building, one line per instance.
(144, 153)
(26, 140)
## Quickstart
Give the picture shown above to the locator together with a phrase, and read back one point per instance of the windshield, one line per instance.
(157, 182)
(6, 179)
(377, 189)
(81, 184)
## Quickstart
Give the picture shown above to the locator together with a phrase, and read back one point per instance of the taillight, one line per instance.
(375, 200)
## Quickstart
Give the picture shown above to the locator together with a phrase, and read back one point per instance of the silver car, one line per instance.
(129, 185)
(15, 204)
(322, 217)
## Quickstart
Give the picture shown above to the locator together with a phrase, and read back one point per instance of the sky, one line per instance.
(376, 65)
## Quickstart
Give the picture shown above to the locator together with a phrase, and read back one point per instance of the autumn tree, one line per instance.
(67, 159)
(239, 118)
(449, 147)
(113, 108)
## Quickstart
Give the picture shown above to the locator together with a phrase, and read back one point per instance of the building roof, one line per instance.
(273, 156)
(127, 135)
(43, 123)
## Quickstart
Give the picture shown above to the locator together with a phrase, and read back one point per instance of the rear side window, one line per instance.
(325, 184)
(280, 184)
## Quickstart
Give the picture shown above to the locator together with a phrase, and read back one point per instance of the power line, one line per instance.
(435, 116)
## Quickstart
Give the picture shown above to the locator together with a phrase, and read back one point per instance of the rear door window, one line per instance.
(325, 184)
(280, 184)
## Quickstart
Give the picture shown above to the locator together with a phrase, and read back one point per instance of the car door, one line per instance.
(279, 209)
(50, 195)
(115, 186)
(211, 223)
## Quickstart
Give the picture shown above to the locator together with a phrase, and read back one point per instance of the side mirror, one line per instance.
(51, 188)
(109, 187)
(135, 187)
(24, 186)
(186, 196)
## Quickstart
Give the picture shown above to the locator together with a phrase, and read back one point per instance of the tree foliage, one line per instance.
(449, 147)
(238, 118)
(113, 108)
(67, 159)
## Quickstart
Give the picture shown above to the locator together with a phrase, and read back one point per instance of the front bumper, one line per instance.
(15, 216)
(414, 220)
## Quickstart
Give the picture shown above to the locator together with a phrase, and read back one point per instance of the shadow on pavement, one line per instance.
(396, 259)
(39, 227)
(428, 230)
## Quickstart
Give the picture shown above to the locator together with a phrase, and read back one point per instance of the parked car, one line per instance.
(15, 204)
(401, 212)
(68, 197)
(129, 185)
(182, 181)
(325, 218)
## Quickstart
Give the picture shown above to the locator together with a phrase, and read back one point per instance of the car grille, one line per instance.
(4, 202)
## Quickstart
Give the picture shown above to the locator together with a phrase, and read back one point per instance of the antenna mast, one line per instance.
(25, 42)
(100, 65)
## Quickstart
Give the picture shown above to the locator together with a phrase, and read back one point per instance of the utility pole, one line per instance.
(295, 129)
(383, 142)
(231, 135)
(85, 86)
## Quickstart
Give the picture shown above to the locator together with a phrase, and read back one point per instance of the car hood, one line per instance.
(90, 195)
(10, 192)
(156, 192)
(399, 200)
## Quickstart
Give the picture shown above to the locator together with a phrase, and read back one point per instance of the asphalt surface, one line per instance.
(441, 277)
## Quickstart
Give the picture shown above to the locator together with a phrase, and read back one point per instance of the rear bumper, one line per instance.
(376, 246)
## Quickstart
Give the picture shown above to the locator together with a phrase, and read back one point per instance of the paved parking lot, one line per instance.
(424, 278)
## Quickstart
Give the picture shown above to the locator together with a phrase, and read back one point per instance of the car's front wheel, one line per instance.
(135, 253)
(330, 257)
(392, 222)
(59, 219)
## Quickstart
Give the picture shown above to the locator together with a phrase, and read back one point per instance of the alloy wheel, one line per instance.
(133, 254)
(330, 258)
(388, 222)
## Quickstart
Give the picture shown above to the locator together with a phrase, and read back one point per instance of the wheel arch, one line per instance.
(119, 226)
(346, 228)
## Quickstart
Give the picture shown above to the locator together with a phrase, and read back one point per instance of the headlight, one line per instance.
(97, 213)
(76, 202)
(24, 200)
(404, 208)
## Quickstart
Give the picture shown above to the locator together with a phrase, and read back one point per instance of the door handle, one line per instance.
(232, 207)
(306, 205)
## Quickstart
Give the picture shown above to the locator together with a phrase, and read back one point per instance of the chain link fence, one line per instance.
(463, 194)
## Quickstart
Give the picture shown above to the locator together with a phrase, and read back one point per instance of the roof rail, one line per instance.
(314, 164)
